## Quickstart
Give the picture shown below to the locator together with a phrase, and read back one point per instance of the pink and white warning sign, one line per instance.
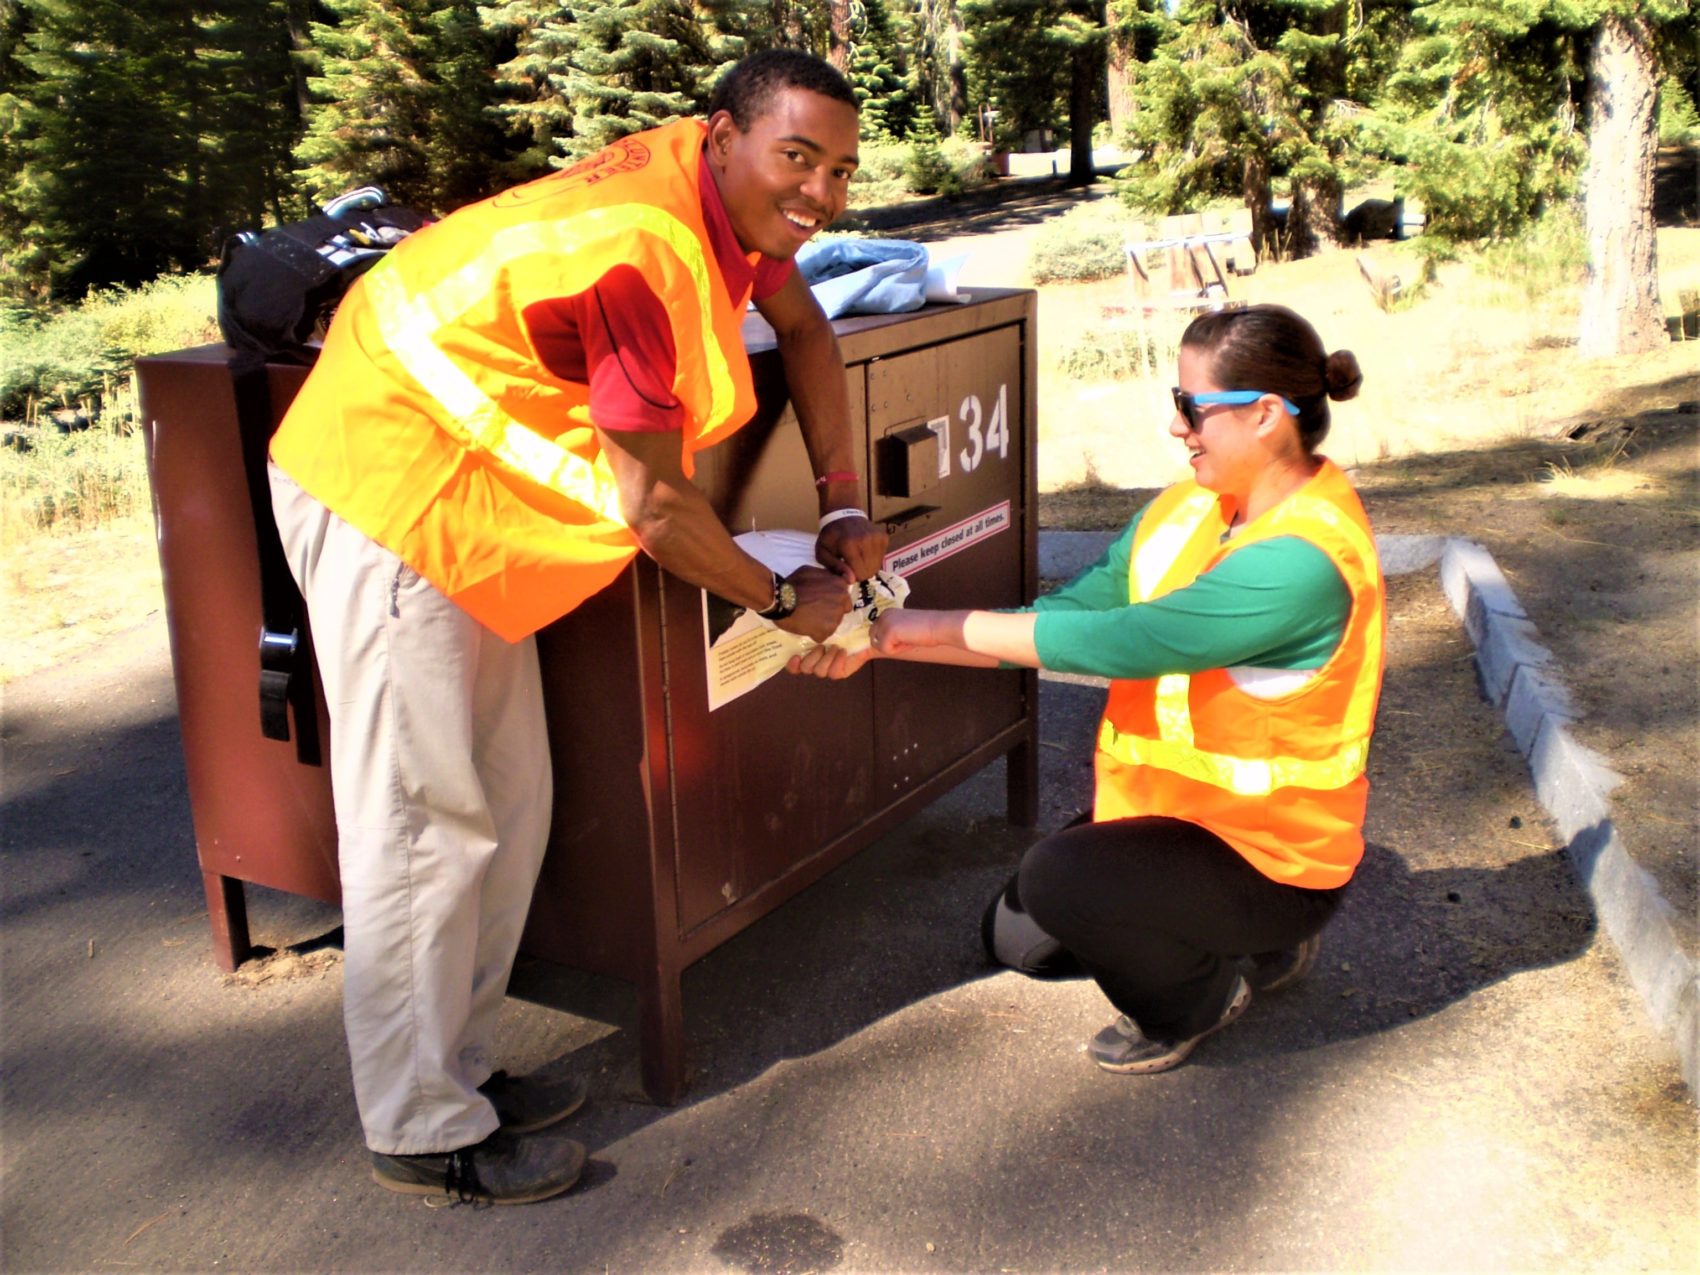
(952, 539)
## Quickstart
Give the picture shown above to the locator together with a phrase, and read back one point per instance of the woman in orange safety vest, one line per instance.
(1239, 620)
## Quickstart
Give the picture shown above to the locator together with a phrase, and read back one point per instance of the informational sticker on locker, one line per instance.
(950, 540)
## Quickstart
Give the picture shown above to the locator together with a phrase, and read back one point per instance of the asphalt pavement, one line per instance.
(1467, 1082)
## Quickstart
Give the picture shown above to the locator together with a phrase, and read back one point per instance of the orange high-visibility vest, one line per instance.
(430, 423)
(1280, 780)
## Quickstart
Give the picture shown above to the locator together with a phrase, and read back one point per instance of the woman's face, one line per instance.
(1228, 448)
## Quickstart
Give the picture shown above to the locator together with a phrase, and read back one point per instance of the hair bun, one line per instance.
(1342, 376)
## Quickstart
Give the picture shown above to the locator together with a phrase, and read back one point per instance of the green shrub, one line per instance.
(928, 172)
(1547, 256)
(1114, 354)
(946, 168)
(1084, 243)
(881, 162)
(81, 357)
(882, 176)
(1679, 120)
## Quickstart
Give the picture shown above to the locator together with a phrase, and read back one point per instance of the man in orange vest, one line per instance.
(505, 413)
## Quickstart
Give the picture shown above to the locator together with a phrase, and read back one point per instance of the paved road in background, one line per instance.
(1467, 1082)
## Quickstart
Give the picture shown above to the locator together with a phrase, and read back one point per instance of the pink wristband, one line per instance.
(838, 476)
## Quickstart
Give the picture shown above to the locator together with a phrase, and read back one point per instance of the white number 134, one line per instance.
(997, 430)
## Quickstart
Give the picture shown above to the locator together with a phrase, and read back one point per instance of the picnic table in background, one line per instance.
(1200, 251)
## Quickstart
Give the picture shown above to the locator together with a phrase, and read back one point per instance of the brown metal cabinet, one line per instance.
(675, 827)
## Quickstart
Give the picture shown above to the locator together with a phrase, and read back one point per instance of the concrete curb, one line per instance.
(1520, 677)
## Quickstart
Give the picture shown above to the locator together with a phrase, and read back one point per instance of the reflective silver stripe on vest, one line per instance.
(1246, 776)
(1152, 559)
(409, 322)
(1174, 748)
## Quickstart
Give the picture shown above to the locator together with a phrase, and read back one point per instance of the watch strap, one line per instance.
(780, 608)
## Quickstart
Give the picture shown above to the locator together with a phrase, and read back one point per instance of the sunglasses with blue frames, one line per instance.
(1188, 404)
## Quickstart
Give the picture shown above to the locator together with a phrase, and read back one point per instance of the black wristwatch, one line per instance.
(784, 599)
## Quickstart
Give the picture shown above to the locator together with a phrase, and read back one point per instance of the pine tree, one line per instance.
(20, 259)
(936, 61)
(878, 75)
(107, 124)
(531, 101)
(401, 99)
(582, 76)
(1482, 111)
(1238, 95)
(630, 65)
(254, 118)
(1037, 63)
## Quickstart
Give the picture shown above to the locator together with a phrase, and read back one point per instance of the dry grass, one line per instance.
(1479, 359)
(60, 593)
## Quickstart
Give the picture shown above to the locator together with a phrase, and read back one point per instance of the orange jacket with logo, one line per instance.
(1279, 779)
(430, 423)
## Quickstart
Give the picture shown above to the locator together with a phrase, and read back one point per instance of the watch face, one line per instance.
(787, 599)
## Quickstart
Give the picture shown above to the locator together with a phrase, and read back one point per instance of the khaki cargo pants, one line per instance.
(441, 782)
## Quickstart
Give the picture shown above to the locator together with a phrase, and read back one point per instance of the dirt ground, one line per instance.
(1593, 514)
(1600, 537)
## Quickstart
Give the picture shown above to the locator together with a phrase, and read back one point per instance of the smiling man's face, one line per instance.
(788, 176)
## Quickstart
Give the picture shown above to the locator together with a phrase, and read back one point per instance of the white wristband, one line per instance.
(837, 514)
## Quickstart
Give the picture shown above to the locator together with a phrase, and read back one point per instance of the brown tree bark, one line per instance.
(1313, 222)
(1088, 64)
(838, 42)
(1620, 298)
(1122, 68)
(1266, 236)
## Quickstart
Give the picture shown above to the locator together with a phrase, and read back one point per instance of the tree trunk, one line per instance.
(1266, 237)
(298, 12)
(1620, 298)
(838, 40)
(1122, 68)
(1085, 64)
(1313, 222)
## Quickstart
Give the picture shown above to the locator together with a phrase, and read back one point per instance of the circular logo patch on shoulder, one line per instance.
(624, 156)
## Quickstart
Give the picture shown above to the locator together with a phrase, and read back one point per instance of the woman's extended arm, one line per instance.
(982, 639)
(973, 639)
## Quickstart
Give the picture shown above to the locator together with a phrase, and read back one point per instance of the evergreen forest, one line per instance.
(136, 137)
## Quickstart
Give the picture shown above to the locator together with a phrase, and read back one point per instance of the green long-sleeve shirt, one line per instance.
(1278, 604)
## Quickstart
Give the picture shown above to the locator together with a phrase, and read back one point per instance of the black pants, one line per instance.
(1158, 911)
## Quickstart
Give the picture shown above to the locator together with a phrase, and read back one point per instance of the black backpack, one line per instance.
(277, 290)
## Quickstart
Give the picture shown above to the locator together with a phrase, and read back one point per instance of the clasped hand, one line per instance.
(853, 547)
(893, 633)
(823, 600)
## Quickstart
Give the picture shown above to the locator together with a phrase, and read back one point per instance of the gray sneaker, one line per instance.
(525, 1104)
(503, 1169)
(1271, 971)
(1123, 1048)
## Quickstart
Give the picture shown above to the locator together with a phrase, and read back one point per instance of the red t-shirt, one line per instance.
(616, 338)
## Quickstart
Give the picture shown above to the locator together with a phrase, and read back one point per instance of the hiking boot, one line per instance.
(503, 1169)
(525, 1104)
(1271, 971)
(1123, 1048)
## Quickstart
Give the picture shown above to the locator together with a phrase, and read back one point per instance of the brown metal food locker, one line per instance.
(675, 825)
